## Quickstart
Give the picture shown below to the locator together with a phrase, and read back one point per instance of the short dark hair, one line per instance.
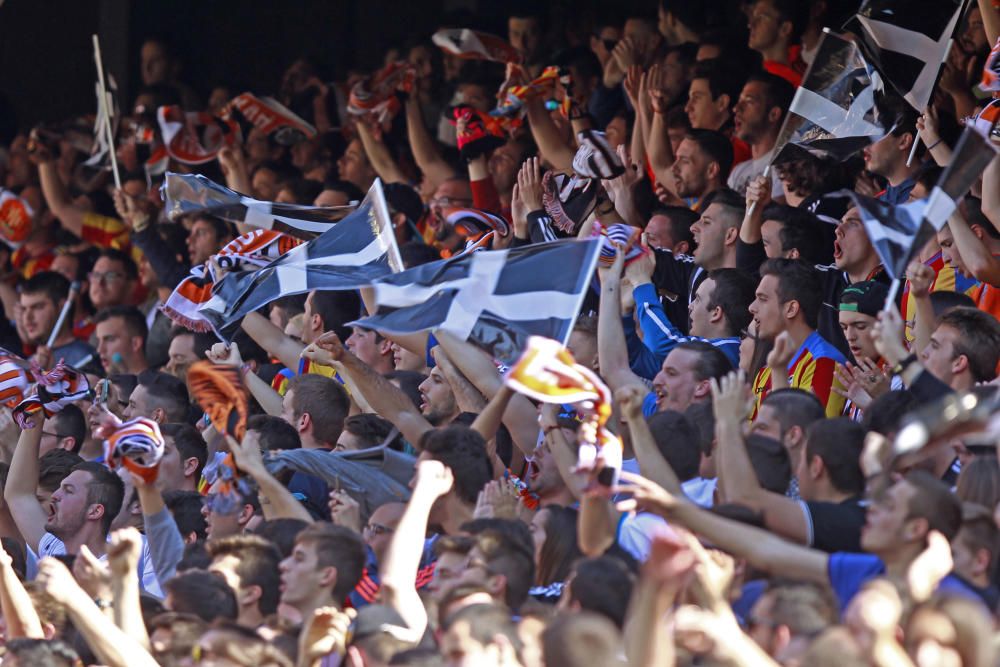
(485, 622)
(281, 532)
(189, 443)
(369, 428)
(677, 440)
(116, 255)
(54, 466)
(603, 585)
(712, 362)
(770, 462)
(583, 639)
(221, 228)
(257, 565)
(464, 451)
(978, 340)
(325, 400)
(716, 146)
(339, 547)
(702, 415)
(71, 423)
(838, 443)
(795, 12)
(681, 218)
(723, 79)
(800, 229)
(170, 393)
(795, 407)
(887, 411)
(734, 292)
(105, 488)
(944, 300)
(336, 309)
(53, 285)
(274, 433)
(510, 551)
(778, 92)
(934, 502)
(42, 652)
(132, 319)
(797, 281)
(203, 594)
(185, 507)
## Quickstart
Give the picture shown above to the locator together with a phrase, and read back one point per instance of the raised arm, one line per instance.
(57, 197)
(976, 256)
(19, 613)
(276, 501)
(651, 462)
(991, 20)
(550, 143)
(739, 484)
(762, 549)
(378, 154)
(273, 339)
(402, 558)
(229, 355)
(991, 196)
(166, 544)
(385, 398)
(612, 353)
(425, 153)
(22, 481)
(124, 551)
(469, 398)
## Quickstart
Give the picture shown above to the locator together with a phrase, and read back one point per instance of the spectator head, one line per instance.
(553, 531)
(979, 481)
(405, 360)
(543, 476)
(860, 304)
(336, 192)
(787, 612)
(121, 338)
(853, 251)
(66, 429)
(761, 107)
(249, 564)
(267, 179)
(832, 461)
(272, 433)
(85, 503)
(720, 305)
(227, 514)
(582, 343)
(977, 545)
(789, 293)
(285, 308)
(23, 652)
(770, 462)
(281, 532)
(381, 525)
(785, 415)
(187, 347)
(669, 228)
(686, 375)
(184, 456)
(157, 62)
(901, 516)
(185, 507)
(324, 567)
(602, 585)
(364, 431)
(371, 347)
(718, 228)
(887, 157)
(791, 232)
(886, 413)
(463, 451)
(964, 349)
(702, 164)
(173, 636)
(683, 22)
(53, 467)
(202, 594)
(714, 89)
(481, 634)
(502, 560)
(316, 407)
(677, 440)
(438, 403)
(776, 24)
(584, 639)
(206, 237)
(452, 553)
(41, 298)
(354, 167)
(112, 279)
(160, 397)
(236, 645)
(525, 32)
(329, 311)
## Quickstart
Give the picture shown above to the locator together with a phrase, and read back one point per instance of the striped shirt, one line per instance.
(811, 369)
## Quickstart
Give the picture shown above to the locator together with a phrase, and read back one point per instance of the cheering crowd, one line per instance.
(763, 434)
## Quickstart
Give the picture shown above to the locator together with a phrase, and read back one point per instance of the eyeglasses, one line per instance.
(106, 277)
(378, 529)
(449, 202)
(54, 435)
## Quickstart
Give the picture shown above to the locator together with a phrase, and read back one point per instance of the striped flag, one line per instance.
(350, 254)
(907, 42)
(496, 299)
(899, 232)
(474, 45)
(833, 113)
(193, 193)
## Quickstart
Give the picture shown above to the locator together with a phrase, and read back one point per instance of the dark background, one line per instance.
(47, 71)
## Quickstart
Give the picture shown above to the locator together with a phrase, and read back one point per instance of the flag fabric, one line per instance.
(193, 193)
(219, 391)
(991, 71)
(14, 380)
(907, 42)
(270, 117)
(351, 254)
(100, 152)
(511, 97)
(136, 445)
(496, 299)
(195, 137)
(833, 113)
(475, 45)
(376, 94)
(899, 232)
(16, 215)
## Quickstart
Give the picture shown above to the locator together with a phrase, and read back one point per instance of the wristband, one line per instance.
(904, 364)
(932, 146)
(102, 604)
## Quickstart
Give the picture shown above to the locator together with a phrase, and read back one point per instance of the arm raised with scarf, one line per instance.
(385, 398)
(281, 503)
(22, 480)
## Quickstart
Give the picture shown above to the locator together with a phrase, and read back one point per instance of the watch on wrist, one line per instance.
(904, 363)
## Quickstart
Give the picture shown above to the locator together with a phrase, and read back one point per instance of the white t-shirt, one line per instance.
(50, 545)
(746, 171)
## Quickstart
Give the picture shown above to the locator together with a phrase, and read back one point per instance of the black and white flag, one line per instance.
(899, 232)
(907, 42)
(349, 255)
(495, 299)
(193, 193)
(833, 114)
(100, 152)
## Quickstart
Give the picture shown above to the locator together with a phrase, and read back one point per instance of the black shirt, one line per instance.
(835, 526)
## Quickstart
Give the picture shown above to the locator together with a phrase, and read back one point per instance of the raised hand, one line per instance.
(529, 180)
(759, 193)
(849, 387)
(225, 355)
(124, 551)
(781, 353)
(434, 479)
(93, 575)
(330, 342)
(930, 567)
(646, 495)
(247, 456)
(344, 510)
(497, 500)
(633, 83)
(887, 335)
(731, 396)
(921, 278)
(55, 579)
(325, 632)
(629, 398)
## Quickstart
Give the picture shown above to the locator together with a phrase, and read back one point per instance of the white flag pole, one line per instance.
(102, 100)
(890, 299)
(753, 206)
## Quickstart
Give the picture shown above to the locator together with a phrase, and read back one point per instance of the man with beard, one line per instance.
(758, 116)
(41, 299)
(704, 159)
